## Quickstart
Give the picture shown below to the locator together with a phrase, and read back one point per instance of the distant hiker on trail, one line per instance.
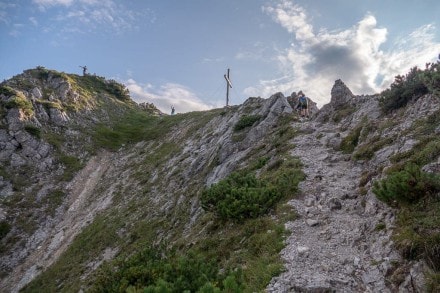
(172, 110)
(84, 70)
(303, 105)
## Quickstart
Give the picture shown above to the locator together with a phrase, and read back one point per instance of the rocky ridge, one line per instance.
(343, 239)
(150, 188)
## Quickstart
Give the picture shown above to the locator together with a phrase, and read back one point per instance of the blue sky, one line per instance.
(175, 52)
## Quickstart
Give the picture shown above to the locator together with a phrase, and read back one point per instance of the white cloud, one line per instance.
(91, 15)
(42, 4)
(316, 59)
(33, 20)
(170, 94)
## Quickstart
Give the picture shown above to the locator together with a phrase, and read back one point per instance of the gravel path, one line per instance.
(334, 245)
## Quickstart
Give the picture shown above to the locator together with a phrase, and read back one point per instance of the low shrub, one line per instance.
(349, 143)
(246, 121)
(416, 235)
(366, 151)
(240, 196)
(153, 271)
(403, 89)
(33, 130)
(406, 186)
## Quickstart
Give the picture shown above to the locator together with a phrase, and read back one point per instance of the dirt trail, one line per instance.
(80, 211)
(334, 246)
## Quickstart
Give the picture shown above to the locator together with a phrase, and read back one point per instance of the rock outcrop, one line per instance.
(342, 241)
(57, 184)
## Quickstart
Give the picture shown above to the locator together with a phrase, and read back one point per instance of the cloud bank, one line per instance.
(317, 58)
(167, 95)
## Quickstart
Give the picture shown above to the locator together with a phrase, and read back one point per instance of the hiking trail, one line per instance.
(334, 244)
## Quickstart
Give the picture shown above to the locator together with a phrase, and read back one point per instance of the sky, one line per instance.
(176, 52)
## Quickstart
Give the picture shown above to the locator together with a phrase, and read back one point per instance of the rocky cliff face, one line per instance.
(71, 199)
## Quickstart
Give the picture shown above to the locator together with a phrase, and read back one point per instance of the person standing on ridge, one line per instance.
(172, 110)
(303, 104)
(84, 70)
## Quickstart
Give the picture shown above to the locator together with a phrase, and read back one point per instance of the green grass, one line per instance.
(71, 164)
(366, 151)
(246, 121)
(343, 112)
(21, 102)
(89, 244)
(349, 143)
(415, 193)
(33, 130)
(152, 270)
(135, 220)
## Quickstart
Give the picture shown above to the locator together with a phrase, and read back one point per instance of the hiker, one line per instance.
(172, 110)
(84, 70)
(303, 104)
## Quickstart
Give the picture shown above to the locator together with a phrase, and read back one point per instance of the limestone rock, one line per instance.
(340, 94)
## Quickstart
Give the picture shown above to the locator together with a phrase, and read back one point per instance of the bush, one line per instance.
(431, 77)
(152, 271)
(239, 196)
(403, 90)
(406, 186)
(246, 121)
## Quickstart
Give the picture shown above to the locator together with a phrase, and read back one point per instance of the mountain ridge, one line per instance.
(119, 178)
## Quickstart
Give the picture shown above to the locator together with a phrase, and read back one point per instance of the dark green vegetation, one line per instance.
(246, 121)
(152, 270)
(413, 85)
(216, 254)
(407, 186)
(415, 194)
(17, 100)
(243, 196)
(33, 130)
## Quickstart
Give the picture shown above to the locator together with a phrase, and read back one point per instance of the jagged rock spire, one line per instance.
(340, 93)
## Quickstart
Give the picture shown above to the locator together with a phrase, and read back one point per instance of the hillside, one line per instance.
(101, 194)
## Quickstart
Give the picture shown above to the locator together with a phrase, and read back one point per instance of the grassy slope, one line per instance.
(134, 222)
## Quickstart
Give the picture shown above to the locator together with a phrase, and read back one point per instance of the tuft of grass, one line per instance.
(33, 130)
(366, 151)
(349, 143)
(246, 121)
(417, 235)
(72, 165)
(341, 113)
(21, 102)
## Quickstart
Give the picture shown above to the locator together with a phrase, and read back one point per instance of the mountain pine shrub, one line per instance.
(246, 121)
(151, 270)
(406, 186)
(404, 89)
(431, 77)
(240, 196)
